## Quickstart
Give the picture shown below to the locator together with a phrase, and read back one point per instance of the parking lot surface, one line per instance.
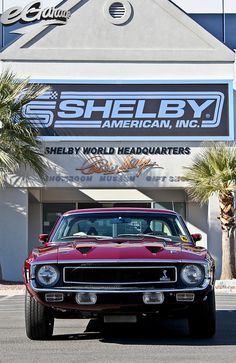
(85, 340)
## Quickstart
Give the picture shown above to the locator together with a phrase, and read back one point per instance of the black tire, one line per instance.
(39, 320)
(202, 318)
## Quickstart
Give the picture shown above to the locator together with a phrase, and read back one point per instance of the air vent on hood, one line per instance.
(154, 249)
(84, 250)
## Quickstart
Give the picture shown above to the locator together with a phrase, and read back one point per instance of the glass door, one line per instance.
(52, 211)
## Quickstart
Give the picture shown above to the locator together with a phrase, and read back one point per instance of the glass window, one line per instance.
(121, 224)
(178, 207)
(52, 211)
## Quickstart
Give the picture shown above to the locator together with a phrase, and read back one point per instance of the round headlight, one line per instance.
(192, 275)
(47, 275)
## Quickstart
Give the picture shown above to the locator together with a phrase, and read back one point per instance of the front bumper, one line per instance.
(121, 301)
(71, 289)
(115, 299)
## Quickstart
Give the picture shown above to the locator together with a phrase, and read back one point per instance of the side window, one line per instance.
(166, 230)
(61, 231)
(160, 227)
(74, 229)
(180, 227)
(80, 226)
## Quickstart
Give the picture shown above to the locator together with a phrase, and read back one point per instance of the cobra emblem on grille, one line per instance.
(164, 277)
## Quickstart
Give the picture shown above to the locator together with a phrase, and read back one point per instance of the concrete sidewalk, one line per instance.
(8, 288)
(225, 286)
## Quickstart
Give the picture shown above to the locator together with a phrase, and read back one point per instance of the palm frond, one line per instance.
(18, 138)
(212, 171)
(6, 161)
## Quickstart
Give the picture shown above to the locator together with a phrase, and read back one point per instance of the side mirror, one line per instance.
(196, 237)
(43, 238)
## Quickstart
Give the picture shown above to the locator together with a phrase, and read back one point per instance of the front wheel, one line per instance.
(39, 320)
(202, 318)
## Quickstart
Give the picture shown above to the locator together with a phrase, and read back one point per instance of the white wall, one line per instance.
(214, 234)
(34, 225)
(196, 218)
(191, 6)
(13, 232)
(122, 71)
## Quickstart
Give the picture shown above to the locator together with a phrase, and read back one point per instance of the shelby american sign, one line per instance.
(171, 111)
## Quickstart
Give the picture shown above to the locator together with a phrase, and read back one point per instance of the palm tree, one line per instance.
(214, 171)
(19, 145)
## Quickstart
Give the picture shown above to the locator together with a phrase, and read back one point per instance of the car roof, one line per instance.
(120, 209)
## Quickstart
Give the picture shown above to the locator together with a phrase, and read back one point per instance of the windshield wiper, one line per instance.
(144, 235)
(81, 236)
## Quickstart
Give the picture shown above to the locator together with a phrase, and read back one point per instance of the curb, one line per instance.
(12, 292)
(226, 283)
(225, 286)
(225, 291)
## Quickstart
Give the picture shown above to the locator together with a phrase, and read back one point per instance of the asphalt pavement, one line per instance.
(84, 341)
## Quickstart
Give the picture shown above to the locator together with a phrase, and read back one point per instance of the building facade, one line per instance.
(135, 88)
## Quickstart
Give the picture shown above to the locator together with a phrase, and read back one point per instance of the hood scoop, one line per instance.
(84, 250)
(155, 249)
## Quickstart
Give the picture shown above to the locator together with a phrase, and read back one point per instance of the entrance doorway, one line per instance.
(52, 211)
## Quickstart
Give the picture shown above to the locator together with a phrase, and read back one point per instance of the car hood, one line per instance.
(91, 249)
(44, 253)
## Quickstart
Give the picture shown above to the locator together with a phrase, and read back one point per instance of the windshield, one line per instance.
(121, 225)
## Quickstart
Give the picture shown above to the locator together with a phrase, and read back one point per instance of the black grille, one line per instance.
(105, 275)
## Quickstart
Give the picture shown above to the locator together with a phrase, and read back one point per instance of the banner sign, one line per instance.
(103, 110)
(34, 12)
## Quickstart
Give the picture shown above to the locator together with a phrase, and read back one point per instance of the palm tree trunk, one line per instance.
(227, 220)
(228, 260)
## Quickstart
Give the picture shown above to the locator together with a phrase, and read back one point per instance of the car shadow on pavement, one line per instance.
(159, 332)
